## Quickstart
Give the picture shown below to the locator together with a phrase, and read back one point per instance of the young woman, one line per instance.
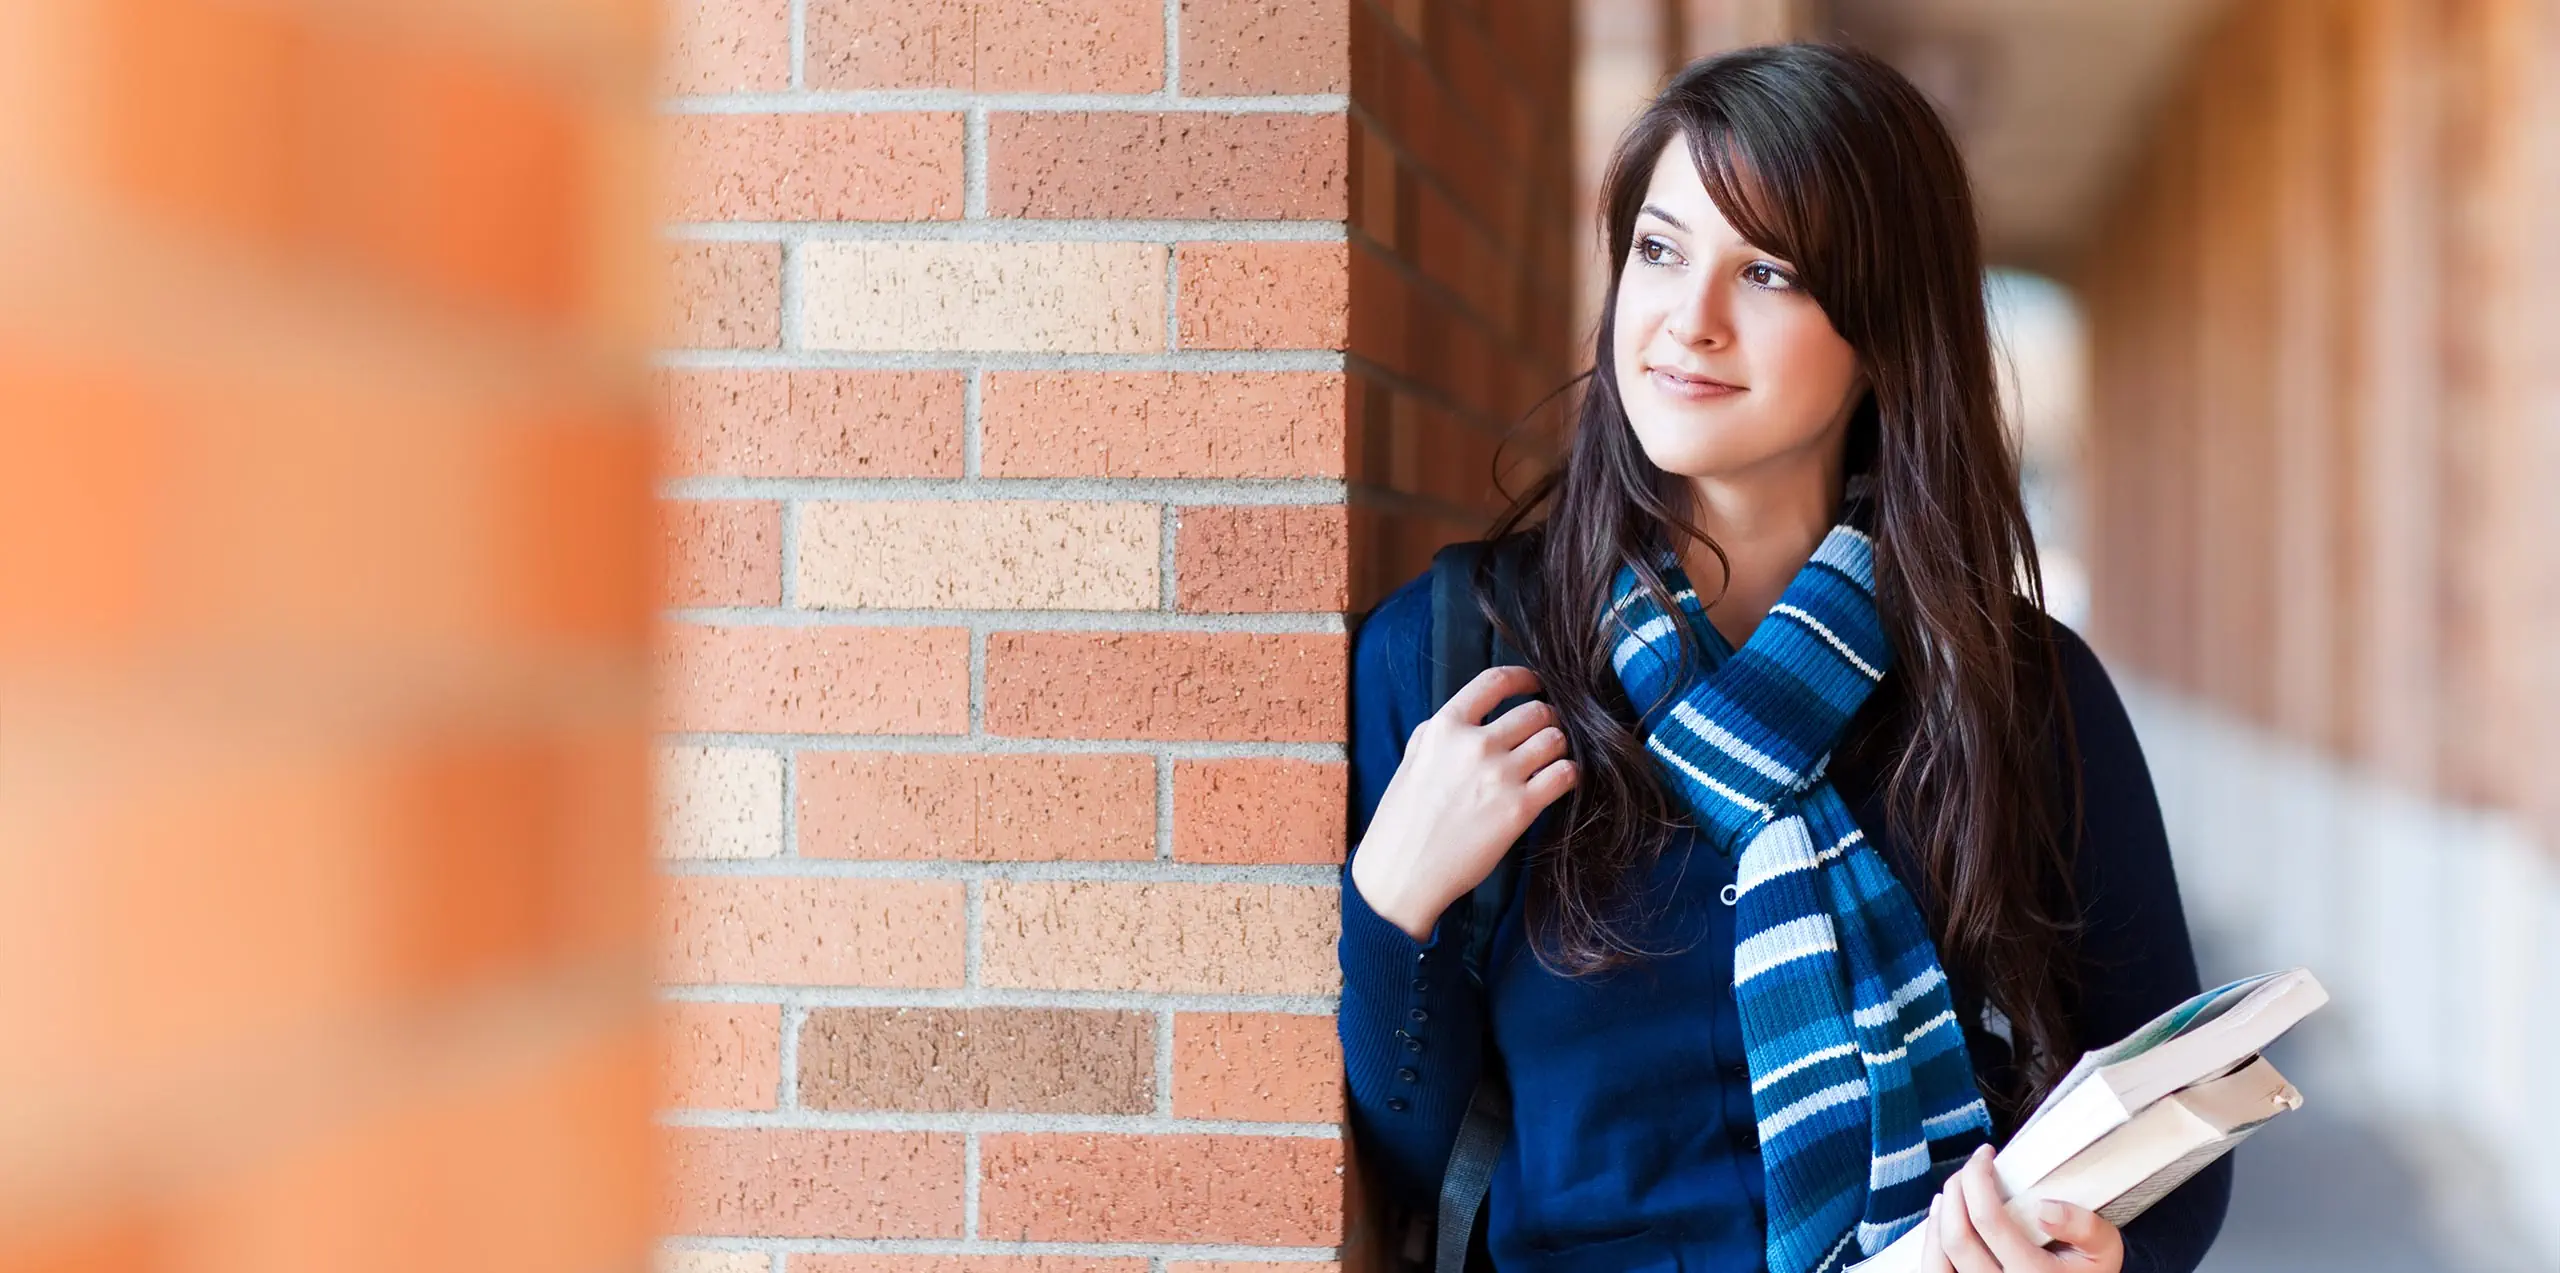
(1852, 849)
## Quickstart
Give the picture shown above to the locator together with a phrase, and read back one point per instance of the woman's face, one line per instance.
(1726, 365)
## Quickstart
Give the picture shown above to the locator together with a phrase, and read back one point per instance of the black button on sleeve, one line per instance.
(1418, 1016)
(1398, 1104)
(1409, 1074)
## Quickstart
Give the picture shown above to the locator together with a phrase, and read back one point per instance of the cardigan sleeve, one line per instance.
(2135, 957)
(1412, 1023)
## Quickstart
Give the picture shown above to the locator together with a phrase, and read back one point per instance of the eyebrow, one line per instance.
(1658, 212)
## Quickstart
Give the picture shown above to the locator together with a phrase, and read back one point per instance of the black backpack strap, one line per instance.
(1470, 1174)
(1464, 642)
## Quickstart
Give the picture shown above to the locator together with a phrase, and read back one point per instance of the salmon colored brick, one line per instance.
(1252, 1266)
(719, 802)
(722, 552)
(1028, 1060)
(789, 1183)
(1174, 164)
(1259, 810)
(990, 554)
(1219, 686)
(1258, 1067)
(795, 680)
(1161, 424)
(890, 295)
(813, 423)
(977, 808)
(1262, 295)
(867, 1262)
(1262, 558)
(1172, 938)
(1237, 48)
(727, 46)
(724, 295)
(1265, 1190)
(871, 166)
(721, 1055)
(799, 931)
(989, 46)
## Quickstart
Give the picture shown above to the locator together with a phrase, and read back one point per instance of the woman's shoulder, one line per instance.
(2097, 709)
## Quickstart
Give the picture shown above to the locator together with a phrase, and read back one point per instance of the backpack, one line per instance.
(1465, 642)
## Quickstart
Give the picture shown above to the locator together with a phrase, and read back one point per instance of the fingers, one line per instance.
(1550, 783)
(1543, 748)
(1933, 1253)
(1490, 686)
(1515, 727)
(2078, 1228)
(1991, 1220)
(1964, 1247)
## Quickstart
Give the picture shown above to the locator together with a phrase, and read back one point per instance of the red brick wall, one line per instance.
(1465, 233)
(325, 556)
(1003, 694)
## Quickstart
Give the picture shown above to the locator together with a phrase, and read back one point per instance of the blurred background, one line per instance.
(711, 633)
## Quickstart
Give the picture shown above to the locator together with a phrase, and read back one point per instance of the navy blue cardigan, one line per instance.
(1632, 1143)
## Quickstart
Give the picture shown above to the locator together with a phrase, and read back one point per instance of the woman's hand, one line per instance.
(1970, 1232)
(1465, 790)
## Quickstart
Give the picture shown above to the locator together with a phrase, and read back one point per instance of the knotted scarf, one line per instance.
(1863, 1093)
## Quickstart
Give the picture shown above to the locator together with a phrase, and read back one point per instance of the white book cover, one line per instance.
(2202, 1048)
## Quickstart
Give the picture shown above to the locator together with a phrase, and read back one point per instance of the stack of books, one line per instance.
(2134, 1120)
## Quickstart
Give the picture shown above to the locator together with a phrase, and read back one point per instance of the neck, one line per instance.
(1768, 523)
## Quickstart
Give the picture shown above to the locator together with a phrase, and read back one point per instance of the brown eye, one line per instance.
(1763, 274)
(1653, 251)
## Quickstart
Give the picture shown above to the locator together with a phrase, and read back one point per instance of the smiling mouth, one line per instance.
(1698, 388)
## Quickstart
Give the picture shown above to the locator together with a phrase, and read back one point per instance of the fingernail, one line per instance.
(2052, 1213)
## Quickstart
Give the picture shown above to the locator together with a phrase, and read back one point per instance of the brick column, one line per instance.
(325, 540)
(1003, 779)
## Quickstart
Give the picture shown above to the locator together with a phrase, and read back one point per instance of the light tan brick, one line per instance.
(724, 295)
(786, 1183)
(1257, 809)
(793, 931)
(713, 1262)
(815, 680)
(995, 554)
(719, 802)
(1262, 558)
(990, 46)
(1264, 1067)
(1173, 164)
(1267, 1190)
(1236, 48)
(1161, 424)
(721, 1055)
(980, 808)
(1168, 937)
(871, 166)
(1059, 297)
(722, 552)
(1263, 295)
(728, 46)
(1220, 686)
(1030, 1060)
(814, 423)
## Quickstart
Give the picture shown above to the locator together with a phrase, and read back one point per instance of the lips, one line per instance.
(1689, 386)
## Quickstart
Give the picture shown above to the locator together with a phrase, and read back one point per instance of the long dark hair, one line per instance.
(1829, 158)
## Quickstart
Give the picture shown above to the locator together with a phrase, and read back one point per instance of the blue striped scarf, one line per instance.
(1859, 1079)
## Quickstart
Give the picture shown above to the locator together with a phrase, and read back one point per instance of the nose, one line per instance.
(1702, 317)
